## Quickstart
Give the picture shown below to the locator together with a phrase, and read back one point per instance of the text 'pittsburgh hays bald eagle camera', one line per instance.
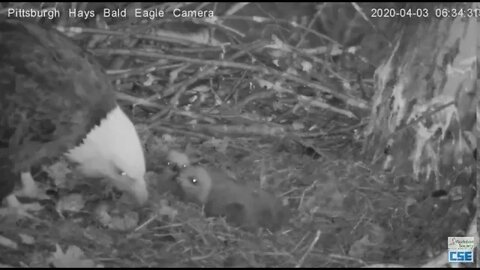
(56, 100)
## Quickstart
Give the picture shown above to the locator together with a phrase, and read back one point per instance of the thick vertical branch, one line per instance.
(424, 111)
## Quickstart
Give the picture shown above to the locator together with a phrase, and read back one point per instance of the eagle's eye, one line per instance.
(122, 173)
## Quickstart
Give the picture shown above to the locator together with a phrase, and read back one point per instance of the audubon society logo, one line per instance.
(460, 249)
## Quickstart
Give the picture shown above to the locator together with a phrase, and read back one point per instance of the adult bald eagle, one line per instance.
(56, 100)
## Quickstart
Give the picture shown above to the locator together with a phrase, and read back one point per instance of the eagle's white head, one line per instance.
(113, 150)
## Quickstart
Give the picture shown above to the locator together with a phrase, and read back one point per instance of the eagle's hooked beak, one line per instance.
(137, 188)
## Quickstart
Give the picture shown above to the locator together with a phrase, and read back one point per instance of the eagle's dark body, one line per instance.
(38, 67)
(52, 94)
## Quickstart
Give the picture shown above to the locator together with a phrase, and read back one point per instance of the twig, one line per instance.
(346, 258)
(158, 54)
(125, 73)
(383, 265)
(187, 134)
(5, 242)
(161, 36)
(137, 101)
(353, 101)
(200, 258)
(150, 220)
(310, 25)
(299, 242)
(309, 250)
(259, 19)
(208, 71)
(253, 97)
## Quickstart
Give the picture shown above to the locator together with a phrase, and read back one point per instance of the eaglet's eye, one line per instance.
(193, 180)
(123, 173)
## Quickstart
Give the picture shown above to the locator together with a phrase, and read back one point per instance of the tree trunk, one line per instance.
(423, 121)
(424, 110)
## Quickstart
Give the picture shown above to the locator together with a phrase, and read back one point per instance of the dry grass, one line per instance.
(230, 106)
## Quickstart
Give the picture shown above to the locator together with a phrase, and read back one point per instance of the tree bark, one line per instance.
(424, 109)
(424, 118)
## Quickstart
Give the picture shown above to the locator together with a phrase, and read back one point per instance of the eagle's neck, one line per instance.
(110, 148)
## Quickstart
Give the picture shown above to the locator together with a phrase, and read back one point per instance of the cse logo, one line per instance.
(460, 256)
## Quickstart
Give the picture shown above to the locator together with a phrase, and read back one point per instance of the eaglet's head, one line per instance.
(196, 183)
